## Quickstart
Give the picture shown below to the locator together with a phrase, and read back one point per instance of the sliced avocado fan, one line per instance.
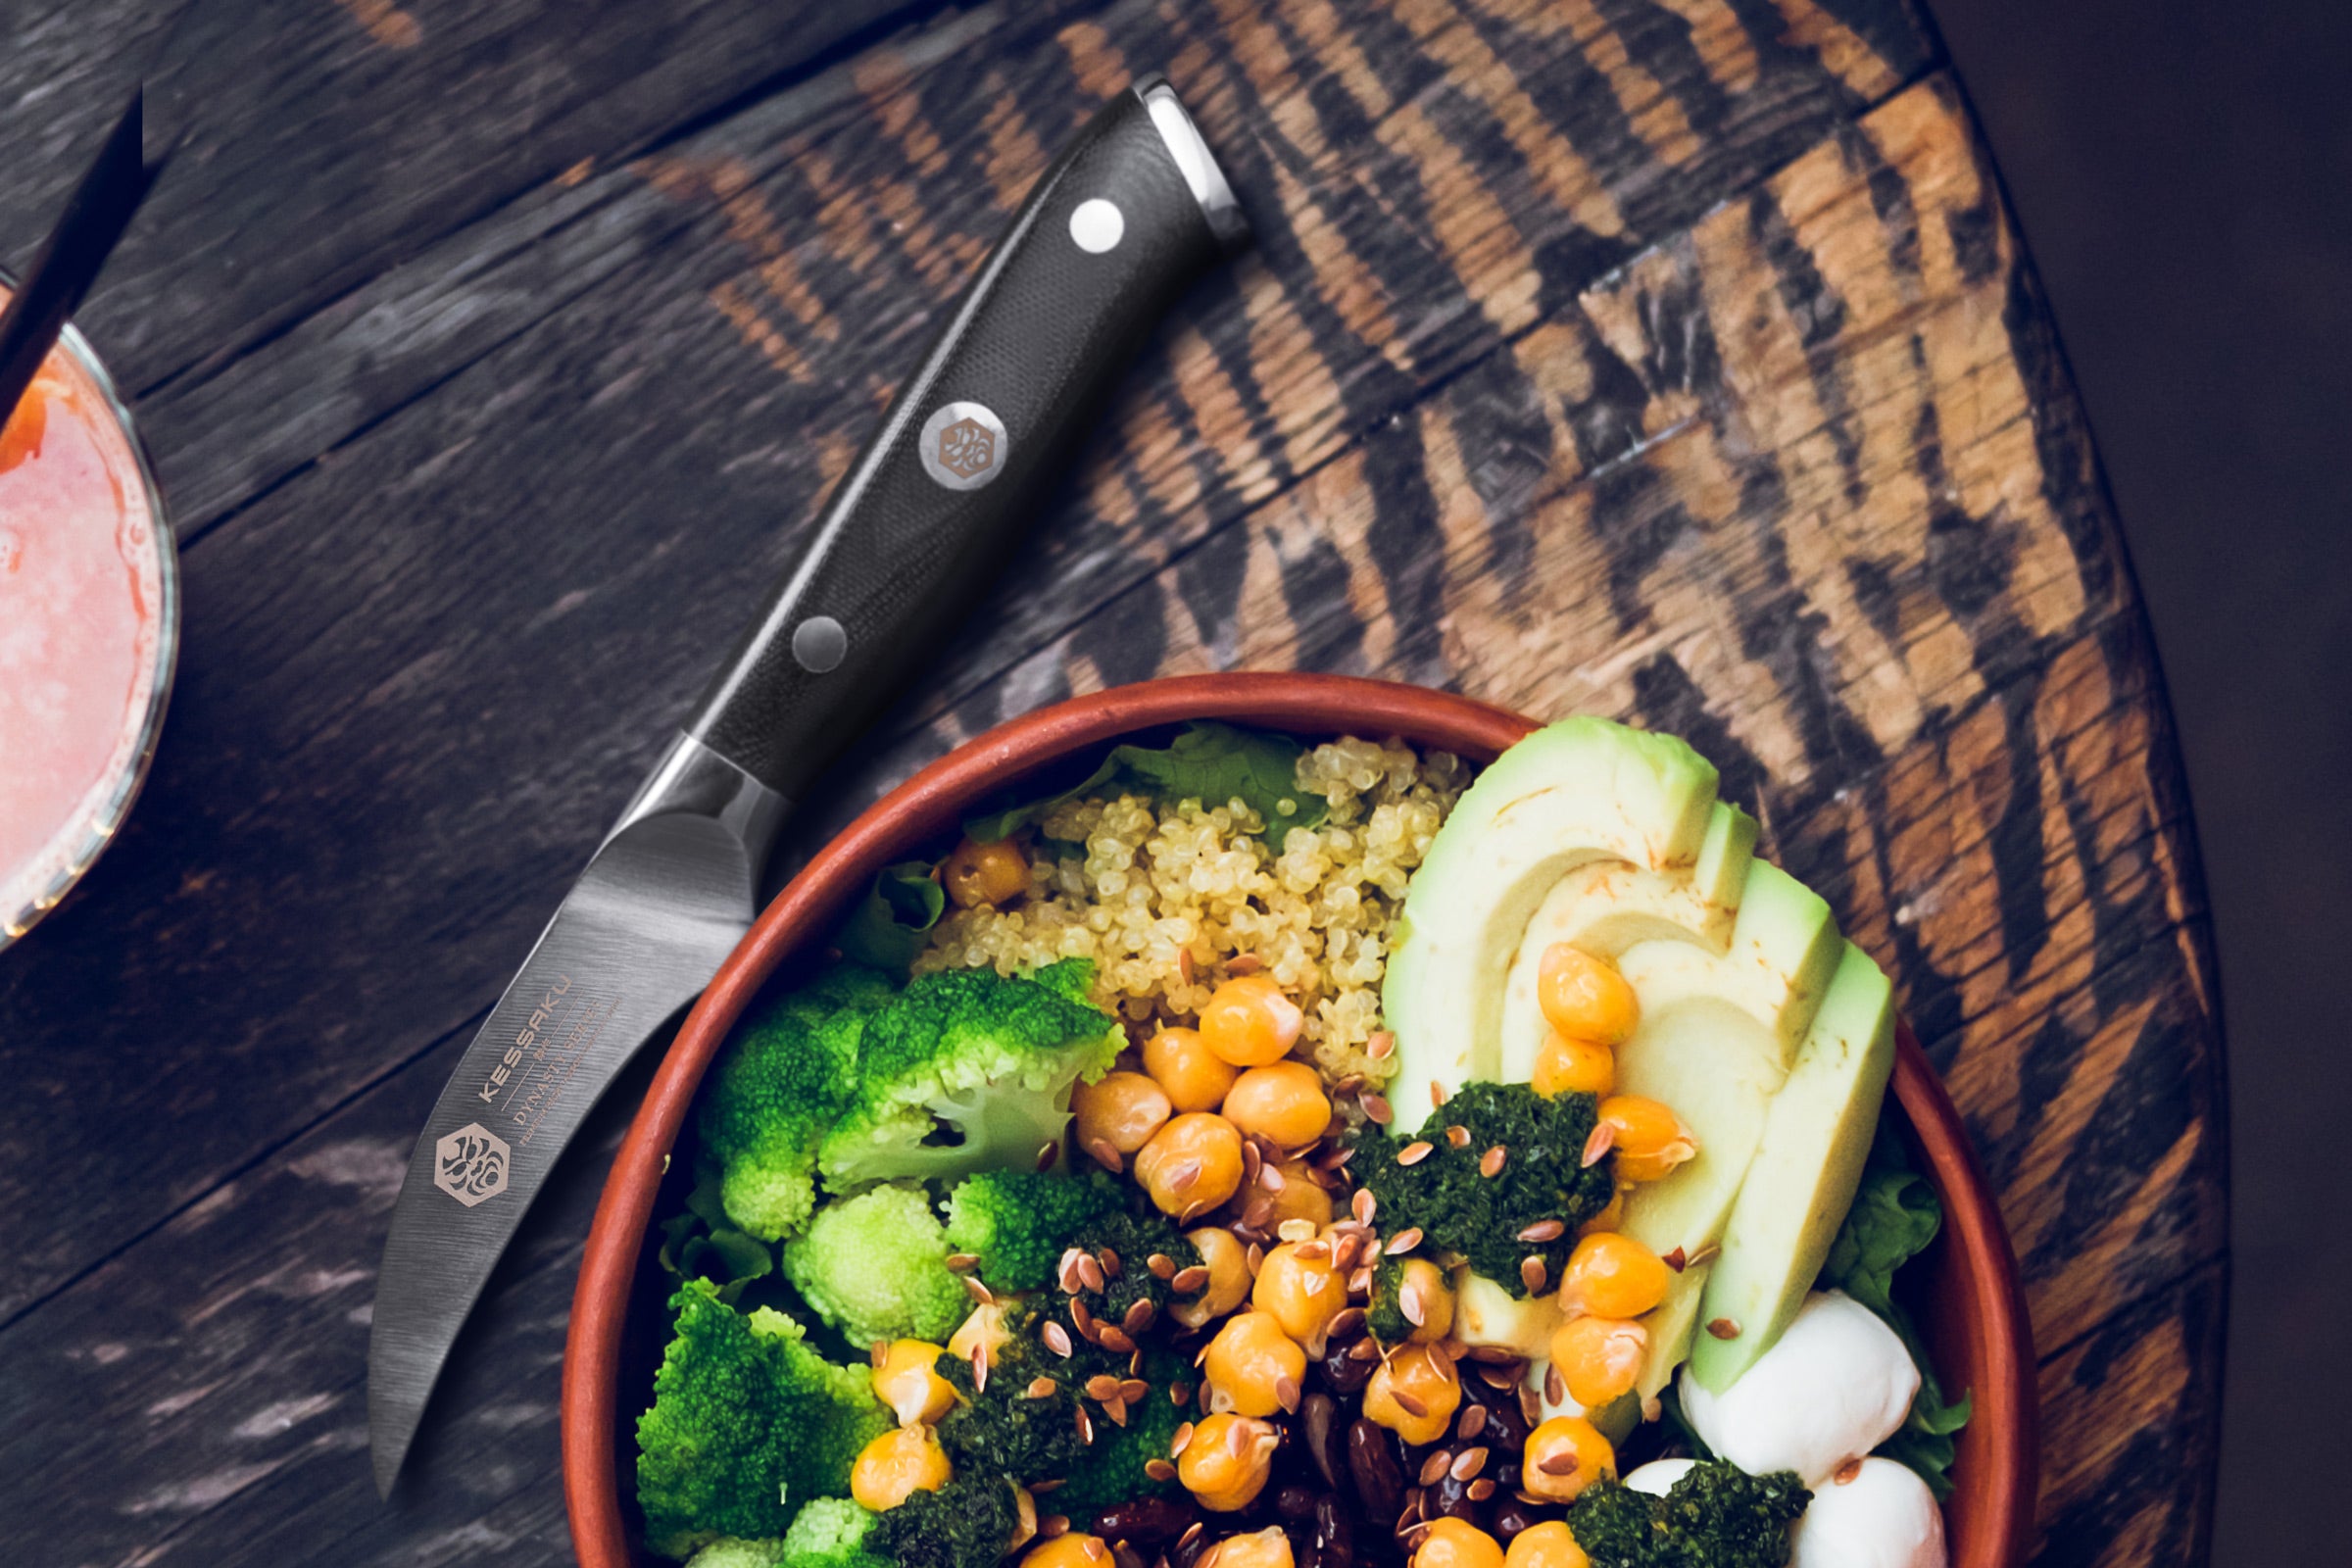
(1770, 1036)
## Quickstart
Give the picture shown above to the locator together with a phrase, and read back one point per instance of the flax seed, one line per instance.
(1490, 1163)
(963, 1263)
(1546, 1230)
(1603, 1139)
(1160, 1470)
(1403, 1241)
(1107, 1154)
(1162, 1265)
(1376, 1107)
(1058, 1339)
(1724, 1328)
(1189, 1281)
(1532, 1275)
(1458, 1137)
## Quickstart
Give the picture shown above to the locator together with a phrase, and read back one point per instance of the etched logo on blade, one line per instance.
(967, 448)
(470, 1164)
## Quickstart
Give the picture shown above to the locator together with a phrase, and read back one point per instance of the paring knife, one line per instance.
(1130, 217)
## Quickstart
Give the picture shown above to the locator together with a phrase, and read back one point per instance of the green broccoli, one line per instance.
(1134, 1240)
(781, 1084)
(1003, 1430)
(731, 1551)
(1459, 1208)
(1111, 1470)
(968, 1523)
(1717, 1516)
(966, 1070)
(830, 1533)
(875, 1267)
(1018, 1222)
(747, 1424)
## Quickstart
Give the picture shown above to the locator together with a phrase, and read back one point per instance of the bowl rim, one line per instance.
(930, 801)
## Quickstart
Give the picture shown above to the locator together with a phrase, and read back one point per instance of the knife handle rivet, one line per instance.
(1097, 225)
(819, 644)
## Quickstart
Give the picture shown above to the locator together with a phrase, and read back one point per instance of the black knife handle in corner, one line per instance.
(1128, 218)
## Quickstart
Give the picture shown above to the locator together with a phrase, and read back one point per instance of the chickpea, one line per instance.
(1228, 1263)
(1566, 1066)
(1191, 1164)
(1651, 1139)
(907, 1380)
(1302, 1197)
(1457, 1543)
(1611, 1216)
(1251, 1364)
(1302, 1293)
(1226, 1463)
(1432, 1292)
(986, 1326)
(994, 874)
(1269, 1548)
(1250, 1022)
(1282, 1101)
(1598, 1357)
(1195, 1077)
(897, 1465)
(1414, 1394)
(1069, 1551)
(1584, 997)
(1549, 1545)
(1612, 1275)
(1563, 1457)
(1122, 1109)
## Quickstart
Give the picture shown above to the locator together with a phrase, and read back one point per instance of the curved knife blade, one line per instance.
(640, 935)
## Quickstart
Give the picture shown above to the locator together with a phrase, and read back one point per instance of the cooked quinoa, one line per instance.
(1166, 900)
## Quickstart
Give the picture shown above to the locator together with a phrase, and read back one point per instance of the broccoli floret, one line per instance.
(1003, 1430)
(780, 1086)
(1134, 1240)
(747, 1424)
(966, 1070)
(1618, 1527)
(875, 1267)
(1717, 1516)
(1461, 1211)
(1111, 1471)
(730, 1552)
(830, 1533)
(1018, 1223)
(967, 1523)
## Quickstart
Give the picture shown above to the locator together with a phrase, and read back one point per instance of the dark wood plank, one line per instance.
(334, 138)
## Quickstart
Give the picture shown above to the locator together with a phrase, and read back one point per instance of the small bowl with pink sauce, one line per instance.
(89, 628)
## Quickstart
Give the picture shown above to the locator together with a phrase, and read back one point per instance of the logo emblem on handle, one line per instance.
(470, 1164)
(962, 445)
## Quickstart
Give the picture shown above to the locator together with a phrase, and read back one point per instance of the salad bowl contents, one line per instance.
(1352, 1128)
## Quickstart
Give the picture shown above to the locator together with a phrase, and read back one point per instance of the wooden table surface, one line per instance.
(1668, 358)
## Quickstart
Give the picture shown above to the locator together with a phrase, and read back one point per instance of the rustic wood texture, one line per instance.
(1670, 359)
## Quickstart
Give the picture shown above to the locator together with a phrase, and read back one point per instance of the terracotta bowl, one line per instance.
(1967, 1286)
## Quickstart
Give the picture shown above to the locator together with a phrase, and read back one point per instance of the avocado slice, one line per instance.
(1804, 1174)
(1580, 791)
(1612, 840)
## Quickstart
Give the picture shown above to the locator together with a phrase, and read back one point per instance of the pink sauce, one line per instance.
(80, 607)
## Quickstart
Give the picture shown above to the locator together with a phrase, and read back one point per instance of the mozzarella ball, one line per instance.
(1881, 1517)
(1835, 1387)
(1658, 1478)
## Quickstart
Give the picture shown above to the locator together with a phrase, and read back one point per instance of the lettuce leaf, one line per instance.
(1895, 1216)
(1209, 763)
(887, 928)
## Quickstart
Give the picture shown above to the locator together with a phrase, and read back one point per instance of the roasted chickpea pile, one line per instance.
(1307, 1443)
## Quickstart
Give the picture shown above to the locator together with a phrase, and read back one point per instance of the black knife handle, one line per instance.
(1128, 218)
